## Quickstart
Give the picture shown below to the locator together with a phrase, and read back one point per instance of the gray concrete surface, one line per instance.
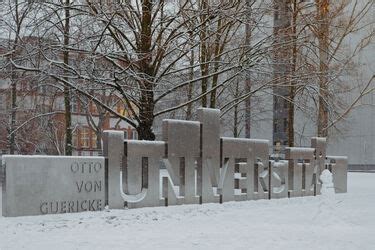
(52, 184)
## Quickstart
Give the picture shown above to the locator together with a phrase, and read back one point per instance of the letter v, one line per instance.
(79, 187)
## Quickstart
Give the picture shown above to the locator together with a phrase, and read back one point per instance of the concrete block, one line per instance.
(184, 151)
(255, 154)
(279, 179)
(339, 167)
(302, 180)
(36, 185)
(141, 182)
(209, 164)
(113, 151)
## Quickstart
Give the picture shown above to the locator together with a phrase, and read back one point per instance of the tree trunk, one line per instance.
(292, 76)
(282, 69)
(189, 111)
(145, 131)
(323, 37)
(99, 140)
(204, 52)
(235, 117)
(146, 114)
(67, 95)
(146, 111)
(217, 57)
(13, 114)
(247, 79)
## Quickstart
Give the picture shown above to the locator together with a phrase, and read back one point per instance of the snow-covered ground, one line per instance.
(300, 223)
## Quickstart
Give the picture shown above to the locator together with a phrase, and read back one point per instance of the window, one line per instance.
(42, 108)
(121, 110)
(134, 135)
(126, 134)
(2, 102)
(94, 108)
(42, 89)
(59, 103)
(85, 137)
(74, 105)
(75, 139)
(121, 1)
(93, 139)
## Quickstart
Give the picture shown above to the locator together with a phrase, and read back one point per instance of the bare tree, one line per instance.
(312, 46)
(147, 44)
(14, 21)
(334, 23)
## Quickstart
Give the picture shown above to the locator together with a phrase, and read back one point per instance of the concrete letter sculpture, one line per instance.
(191, 165)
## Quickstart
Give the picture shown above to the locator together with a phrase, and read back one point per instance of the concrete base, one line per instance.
(52, 184)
